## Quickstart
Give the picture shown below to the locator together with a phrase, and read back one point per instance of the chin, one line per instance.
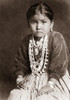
(39, 35)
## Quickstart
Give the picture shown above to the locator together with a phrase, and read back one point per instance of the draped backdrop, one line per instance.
(13, 27)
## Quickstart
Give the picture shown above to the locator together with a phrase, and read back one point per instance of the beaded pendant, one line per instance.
(36, 51)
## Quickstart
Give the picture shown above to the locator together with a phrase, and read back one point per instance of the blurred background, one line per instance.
(13, 28)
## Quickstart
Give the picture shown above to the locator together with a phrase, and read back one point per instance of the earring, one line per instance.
(51, 29)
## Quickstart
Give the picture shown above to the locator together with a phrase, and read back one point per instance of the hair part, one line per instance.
(43, 8)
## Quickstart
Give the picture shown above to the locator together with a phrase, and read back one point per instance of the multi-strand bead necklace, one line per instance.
(39, 65)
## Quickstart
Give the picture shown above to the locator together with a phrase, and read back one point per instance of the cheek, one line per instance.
(32, 28)
(46, 29)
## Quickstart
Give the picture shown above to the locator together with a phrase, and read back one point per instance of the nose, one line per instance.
(38, 26)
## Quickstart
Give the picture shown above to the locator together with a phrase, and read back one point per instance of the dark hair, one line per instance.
(43, 8)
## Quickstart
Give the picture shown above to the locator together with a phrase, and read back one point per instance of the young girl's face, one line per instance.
(40, 25)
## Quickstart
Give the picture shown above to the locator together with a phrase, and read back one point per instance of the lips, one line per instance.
(39, 32)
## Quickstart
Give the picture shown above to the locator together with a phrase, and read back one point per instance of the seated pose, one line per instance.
(41, 62)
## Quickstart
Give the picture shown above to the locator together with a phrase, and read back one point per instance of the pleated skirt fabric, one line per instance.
(34, 83)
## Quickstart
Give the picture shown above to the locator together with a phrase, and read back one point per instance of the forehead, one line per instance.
(39, 16)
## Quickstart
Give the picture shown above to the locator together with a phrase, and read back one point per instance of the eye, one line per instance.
(43, 21)
(33, 21)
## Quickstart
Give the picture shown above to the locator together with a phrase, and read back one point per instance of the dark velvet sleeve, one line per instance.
(59, 57)
(21, 64)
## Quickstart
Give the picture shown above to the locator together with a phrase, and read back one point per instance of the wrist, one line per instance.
(53, 80)
(51, 84)
(19, 76)
(19, 79)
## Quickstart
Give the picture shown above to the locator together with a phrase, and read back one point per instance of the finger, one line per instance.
(19, 86)
(19, 80)
(41, 92)
(47, 92)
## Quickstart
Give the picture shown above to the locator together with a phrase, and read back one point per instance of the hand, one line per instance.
(45, 90)
(20, 81)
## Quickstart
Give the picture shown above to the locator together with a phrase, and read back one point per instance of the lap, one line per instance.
(61, 91)
(21, 94)
(18, 94)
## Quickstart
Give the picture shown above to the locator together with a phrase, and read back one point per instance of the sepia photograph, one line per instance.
(34, 49)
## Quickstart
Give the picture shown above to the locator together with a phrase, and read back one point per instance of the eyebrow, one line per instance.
(37, 19)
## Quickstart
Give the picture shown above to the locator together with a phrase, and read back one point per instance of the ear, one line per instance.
(52, 24)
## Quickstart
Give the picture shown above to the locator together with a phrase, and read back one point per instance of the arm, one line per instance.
(21, 64)
(58, 64)
(59, 58)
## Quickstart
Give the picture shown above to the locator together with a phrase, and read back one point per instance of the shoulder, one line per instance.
(58, 39)
(26, 39)
(57, 35)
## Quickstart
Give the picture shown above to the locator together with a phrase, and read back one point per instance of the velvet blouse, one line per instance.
(57, 57)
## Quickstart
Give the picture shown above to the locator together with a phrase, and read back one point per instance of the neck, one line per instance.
(37, 38)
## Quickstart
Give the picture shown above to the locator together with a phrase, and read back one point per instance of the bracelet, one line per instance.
(19, 76)
(51, 84)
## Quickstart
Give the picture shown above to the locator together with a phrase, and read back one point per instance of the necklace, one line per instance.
(37, 45)
(43, 60)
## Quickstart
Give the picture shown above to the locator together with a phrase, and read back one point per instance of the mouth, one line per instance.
(39, 34)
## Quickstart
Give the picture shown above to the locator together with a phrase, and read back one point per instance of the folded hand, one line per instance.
(20, 81)
(45, 90)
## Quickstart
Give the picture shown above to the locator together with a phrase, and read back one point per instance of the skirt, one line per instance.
(33, 83)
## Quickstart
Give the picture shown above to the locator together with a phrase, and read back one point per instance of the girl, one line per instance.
(42, 60)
